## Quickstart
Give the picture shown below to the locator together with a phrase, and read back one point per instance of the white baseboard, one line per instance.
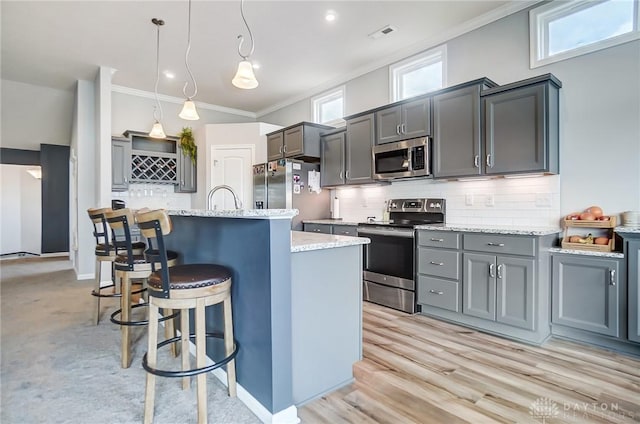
(85, 276)
(286, 416)
(55, 255)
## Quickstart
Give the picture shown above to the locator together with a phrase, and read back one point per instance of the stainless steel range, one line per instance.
(389, 260)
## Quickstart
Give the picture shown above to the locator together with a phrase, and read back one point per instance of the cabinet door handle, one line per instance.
(476, 161)
(489, 160)
(437, 239)
(126, 180)
(284, 149)
(612, 277)
(495, 244)
(398, 129)
(438, 292)
(500, 268)
(347, 175)
(280, 150)
(340, 174)
(182, 183)
(403, 128)
(437, 263)
(492, 270)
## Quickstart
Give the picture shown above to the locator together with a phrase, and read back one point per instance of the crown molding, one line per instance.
(177, 100)
(468, 26)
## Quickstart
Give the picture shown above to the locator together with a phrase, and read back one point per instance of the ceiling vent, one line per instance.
(385, 30)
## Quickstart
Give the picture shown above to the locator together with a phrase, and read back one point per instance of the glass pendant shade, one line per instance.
(244, 77)
(157, 131)
(189, 111)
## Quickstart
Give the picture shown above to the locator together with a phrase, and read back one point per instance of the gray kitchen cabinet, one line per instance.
(633, 285)
(457, 130)
(479, 285)
(521, 127)
(187, 175)
(332, 159)
(120, 163)
(403, 121)
(318, 228)
(358, 156)
(438, 271)
(301, 141)
(586, 294)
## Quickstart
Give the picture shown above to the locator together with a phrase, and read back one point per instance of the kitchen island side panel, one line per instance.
(258, 253)
(327, 319)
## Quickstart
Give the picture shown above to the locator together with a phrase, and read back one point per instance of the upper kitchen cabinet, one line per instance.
(301, 141)
(120, 163)
(332, 158)
(457, 130)
(359, 142)
(187, 174)
(402, 121)
(521, 127)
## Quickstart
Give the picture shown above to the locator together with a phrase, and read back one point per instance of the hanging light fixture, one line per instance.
(157, 131)
(189, 111)
(244, 76)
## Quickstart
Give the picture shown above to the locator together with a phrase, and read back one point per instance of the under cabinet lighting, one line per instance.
(523, 176)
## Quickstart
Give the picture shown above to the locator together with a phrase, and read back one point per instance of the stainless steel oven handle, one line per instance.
(383, 232)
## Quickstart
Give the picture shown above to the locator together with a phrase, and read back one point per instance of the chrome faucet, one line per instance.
(236, 201)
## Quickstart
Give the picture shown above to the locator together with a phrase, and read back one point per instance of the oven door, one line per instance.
(388, 259)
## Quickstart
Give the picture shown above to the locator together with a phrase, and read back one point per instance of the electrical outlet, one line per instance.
(489, 201)
(468, 199)
(543, 200)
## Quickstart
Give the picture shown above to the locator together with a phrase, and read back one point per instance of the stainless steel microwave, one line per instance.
(404, 159)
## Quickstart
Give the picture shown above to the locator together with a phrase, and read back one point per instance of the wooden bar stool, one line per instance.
(105, 251)
(131, 264)
(185, 287)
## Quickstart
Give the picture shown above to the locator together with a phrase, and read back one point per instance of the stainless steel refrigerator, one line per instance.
(291, 184)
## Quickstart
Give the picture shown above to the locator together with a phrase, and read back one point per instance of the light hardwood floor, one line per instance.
(421, 370)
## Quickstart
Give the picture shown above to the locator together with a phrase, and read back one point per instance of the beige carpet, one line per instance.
(57, 367)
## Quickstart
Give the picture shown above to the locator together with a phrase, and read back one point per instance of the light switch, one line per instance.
(489, 201)
(468, 199)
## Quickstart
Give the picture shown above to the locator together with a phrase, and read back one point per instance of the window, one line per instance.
(328, 108)
(418, 74)
(560, 30)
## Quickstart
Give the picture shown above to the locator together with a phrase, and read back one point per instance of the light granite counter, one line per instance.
(237, 213)
(627, 230)
(489, 229)
(302, 241)
(329, 222)
(616, 255)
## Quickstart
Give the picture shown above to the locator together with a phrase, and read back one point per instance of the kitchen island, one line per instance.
(296, 303)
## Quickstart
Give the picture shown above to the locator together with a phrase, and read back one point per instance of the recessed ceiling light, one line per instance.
(330, 16)
(169, 74)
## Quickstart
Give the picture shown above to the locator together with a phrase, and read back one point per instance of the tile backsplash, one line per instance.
(533, 201)
(153, 196)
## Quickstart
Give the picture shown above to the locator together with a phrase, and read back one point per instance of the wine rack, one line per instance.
(147, 167)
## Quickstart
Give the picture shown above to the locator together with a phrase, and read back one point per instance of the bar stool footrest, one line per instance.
(96, 294)
(195, 371)
(141, 322)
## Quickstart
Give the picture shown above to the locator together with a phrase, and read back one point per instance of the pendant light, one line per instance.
(157, 131)
(245, 78)
(189, 111)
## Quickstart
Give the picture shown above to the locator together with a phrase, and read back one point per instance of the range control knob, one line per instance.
(438, 205)
(431, 205)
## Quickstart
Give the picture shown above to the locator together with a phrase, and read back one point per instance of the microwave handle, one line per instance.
(410, 159)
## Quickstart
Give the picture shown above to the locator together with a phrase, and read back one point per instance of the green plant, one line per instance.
(188, 144)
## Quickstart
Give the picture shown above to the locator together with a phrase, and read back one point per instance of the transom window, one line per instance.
(560, 30)
(418, 74)
(328, 107)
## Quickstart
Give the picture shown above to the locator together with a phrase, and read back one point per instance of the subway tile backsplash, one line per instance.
(533, 201)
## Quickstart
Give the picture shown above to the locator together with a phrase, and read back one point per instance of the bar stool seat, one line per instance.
(185, 287)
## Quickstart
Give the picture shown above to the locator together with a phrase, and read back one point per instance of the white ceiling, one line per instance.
(55, 43)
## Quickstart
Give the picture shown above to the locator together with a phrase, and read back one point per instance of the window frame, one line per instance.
(426, 58)
(325, 97)
(541, 16)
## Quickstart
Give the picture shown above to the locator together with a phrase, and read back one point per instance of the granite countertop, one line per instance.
(587, 253)
(329, 221)
(627, 230)
(238, 213)
(303, 241)
(491, 229)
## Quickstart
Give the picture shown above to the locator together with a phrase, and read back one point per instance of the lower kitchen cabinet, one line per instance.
(588, 294)
(632, 250)
(497, 283)
(318, 228)
(337, 229)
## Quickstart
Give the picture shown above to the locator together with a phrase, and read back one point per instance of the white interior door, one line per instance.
(232, 166)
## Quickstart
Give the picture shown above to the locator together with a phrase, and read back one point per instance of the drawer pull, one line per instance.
(612, 277)
(500, 267)
(437, 239)
(438, 292)
(495, 244)
(437, 263)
